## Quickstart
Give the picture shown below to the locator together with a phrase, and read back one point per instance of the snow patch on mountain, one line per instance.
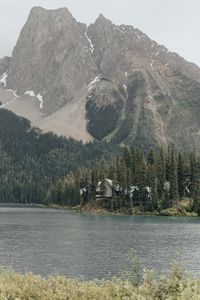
(30, 93)
(152, 63)
(138, 35)
(92, 84)
(38, 96)
(3, 78)
(14, 93)
(15, 97)
(125, 87)
(91, 48)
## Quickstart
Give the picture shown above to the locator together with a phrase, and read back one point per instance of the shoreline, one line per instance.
(92, 210)
(141, 214)
(21, 205)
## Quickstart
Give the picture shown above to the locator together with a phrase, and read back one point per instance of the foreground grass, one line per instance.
(176, 286)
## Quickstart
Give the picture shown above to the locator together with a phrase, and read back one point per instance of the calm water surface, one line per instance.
(46, 241)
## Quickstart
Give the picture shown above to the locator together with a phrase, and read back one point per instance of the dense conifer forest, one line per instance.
(30, 162)
(152, 182)
(47, 169)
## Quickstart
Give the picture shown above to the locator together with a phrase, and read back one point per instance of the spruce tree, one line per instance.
(173, 193)
(196, 187)
(181, 175)
(161, 175)
(193, 177)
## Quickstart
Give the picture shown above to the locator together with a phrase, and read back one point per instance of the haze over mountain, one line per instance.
(100, 82)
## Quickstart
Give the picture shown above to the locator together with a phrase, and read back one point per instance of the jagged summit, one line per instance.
(40, 15)
(101, 18)
(40, 9)
(37, 9)
(104, 81)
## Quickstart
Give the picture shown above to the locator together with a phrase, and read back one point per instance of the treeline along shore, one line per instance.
(38, 168)
(166, 182)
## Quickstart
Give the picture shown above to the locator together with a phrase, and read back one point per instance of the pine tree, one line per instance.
(193, 178)
(141, 175)
(181, 175)
(196, 186)
(127, 157)
(123, 182)
(133, 164)
(161, 175)
(168, 163)
(153, 182)
(173, 193)
(103, 170)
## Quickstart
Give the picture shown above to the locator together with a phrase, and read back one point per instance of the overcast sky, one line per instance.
(173, 23)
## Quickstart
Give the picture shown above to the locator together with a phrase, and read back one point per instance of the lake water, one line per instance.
(82, 246)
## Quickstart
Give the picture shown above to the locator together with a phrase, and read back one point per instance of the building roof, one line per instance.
(109, 181)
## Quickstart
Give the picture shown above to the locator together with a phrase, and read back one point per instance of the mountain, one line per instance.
(103, 82)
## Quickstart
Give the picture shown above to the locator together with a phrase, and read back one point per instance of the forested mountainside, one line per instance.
(31, 161)
(44, 168)
(102, 81)
(132, 181)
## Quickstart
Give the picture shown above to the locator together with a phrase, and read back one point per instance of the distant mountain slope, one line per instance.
(126, 87)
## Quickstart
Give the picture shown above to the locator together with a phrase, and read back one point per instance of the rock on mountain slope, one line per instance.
(103, 81)
(4, 63)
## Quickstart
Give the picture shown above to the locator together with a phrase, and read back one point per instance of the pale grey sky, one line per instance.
(173, 23)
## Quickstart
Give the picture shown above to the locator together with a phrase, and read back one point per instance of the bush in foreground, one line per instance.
(14, 286)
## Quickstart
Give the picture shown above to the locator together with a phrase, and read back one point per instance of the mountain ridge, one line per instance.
(131, 90)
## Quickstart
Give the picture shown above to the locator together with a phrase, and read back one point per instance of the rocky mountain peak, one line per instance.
(102, 20)
(51, 58)
(56, 18)
(104, 81)
(40, 11)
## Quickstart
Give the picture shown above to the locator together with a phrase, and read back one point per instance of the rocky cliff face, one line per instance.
(106, 81)
(160, 90)
(51, 58)
(4, 65)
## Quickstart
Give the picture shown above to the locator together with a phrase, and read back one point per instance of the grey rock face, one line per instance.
(4, 65)
(117, 82)
(52, 57)
(120, 50)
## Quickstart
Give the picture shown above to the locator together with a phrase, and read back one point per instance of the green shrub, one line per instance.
(177, 211)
